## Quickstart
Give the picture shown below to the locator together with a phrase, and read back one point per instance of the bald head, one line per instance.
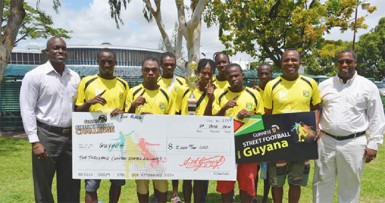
(52, 39)
(56, 52)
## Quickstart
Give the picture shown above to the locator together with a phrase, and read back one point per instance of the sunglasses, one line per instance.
(347, 61)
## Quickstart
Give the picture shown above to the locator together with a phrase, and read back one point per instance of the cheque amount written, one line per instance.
(172, 146)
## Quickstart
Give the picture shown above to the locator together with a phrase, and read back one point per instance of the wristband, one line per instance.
(36, 145)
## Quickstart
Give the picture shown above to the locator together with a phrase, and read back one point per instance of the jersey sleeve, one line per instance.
(260, 105)
(182, 100)
(181, 80)
(174, 101)
(268, 97)
(81, 97)
(170, 107)
(316, 96)
(216, 106)
(126, 92)
(129, 100)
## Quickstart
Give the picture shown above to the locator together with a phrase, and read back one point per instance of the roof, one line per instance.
(37, 49)
(18, 71)
(112, 47)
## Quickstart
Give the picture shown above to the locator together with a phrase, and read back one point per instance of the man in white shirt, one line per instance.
(351, 109)
(46, 103)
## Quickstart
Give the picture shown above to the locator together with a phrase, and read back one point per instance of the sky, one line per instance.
(90, 24)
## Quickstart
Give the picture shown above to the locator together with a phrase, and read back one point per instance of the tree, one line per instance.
(326, 57)
(9, 32)
(264, 28)
(371, 52)
(20, 21)
(174, 34)
(190, 30)
(254, 65)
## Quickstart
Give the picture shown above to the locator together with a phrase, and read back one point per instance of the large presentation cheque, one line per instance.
(133, 146)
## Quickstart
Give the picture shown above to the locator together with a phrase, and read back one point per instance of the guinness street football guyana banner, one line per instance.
(276, 137)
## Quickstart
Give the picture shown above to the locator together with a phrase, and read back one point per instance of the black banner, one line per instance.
(276, 137)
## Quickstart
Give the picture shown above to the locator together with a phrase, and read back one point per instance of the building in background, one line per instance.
(81, 59)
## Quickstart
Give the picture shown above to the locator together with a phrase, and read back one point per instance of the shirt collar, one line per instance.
(348, 81)
(48, 68)
(282, 78)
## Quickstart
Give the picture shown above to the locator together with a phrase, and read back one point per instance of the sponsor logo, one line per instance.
(95, 126)
(282, 95)
(249, 106)
(162, 105)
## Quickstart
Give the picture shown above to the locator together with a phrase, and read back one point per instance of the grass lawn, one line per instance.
(16, 178)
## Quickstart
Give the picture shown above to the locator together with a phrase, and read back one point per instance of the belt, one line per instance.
(55, 129)
(354, 135)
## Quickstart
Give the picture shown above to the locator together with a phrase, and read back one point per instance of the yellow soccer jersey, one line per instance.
(248, 99)
(184, 94)
(283, 96)
(157, 101)
(259, 89)
(172, 85)
(115, 94)
(222, 85)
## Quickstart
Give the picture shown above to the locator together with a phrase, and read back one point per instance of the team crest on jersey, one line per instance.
(282, 95)
(306, 93)
(249, 106)
(162, 105)
(120, 95)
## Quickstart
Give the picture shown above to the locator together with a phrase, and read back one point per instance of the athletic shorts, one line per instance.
(297, 173)
(246, 174)
(142, 186)
(94, 184)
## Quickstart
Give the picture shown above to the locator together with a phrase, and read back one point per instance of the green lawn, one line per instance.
(16, 179)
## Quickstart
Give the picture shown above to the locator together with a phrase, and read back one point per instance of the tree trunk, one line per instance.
(2, 3)
(3, 61)
(16, 16)
(193, 40)
(192, 29)
(178, 50)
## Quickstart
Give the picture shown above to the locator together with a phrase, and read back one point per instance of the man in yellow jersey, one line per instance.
(149, 98)
(220, 80)
(221, 61)
(289, 93)
(204, 95)
(239, 102)
(171, 82)
(105, 93)
(265, 74)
